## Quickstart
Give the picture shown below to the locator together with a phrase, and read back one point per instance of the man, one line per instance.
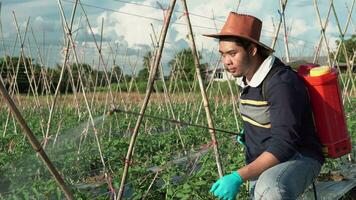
(283, 153)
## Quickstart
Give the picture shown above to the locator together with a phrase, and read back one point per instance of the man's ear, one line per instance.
(253, 49)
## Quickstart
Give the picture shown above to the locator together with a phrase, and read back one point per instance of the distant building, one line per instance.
(322, 60)
(295, 62)
(218, 74)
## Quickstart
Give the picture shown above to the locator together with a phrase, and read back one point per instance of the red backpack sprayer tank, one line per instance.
(328, 110)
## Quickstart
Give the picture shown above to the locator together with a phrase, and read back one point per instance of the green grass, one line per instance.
(157, 144)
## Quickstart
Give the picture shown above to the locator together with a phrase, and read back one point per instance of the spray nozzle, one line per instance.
(112, 111)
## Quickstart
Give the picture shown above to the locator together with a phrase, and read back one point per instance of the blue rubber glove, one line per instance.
(227, 187)
(240, 138)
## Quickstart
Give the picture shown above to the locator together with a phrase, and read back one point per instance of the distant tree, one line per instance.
(71, 82)
(54, 77)
(147, 62)
(128, 77)
(147, 59)
(143, 75)
(350, 45)
(183, 64)
(82, 70)
(25, 68)
(116, 74)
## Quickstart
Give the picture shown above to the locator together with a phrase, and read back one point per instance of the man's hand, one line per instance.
(227, 187)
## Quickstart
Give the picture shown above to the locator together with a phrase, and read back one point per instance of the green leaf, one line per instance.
(200, 183)
(182, 195)
(186, 186)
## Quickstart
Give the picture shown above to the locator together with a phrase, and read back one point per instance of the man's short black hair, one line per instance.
(264, 53)
(242, 42)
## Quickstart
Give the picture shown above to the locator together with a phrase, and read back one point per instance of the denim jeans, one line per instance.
(286, 180)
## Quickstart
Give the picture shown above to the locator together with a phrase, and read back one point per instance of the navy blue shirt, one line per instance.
(289, 127)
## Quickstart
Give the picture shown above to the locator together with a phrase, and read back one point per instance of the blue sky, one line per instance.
(128, 29)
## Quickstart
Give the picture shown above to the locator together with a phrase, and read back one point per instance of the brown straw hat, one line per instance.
(243, 26)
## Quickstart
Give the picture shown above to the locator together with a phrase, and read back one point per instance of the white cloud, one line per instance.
(136, 30)
(300, 42)
(251, 7)
(269, 26)
(298, 27)
(39, 19)
(331, 41)
(331, 33)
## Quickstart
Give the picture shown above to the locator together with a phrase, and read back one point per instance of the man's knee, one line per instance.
(275, 192)
(285, 180)
(270, 186)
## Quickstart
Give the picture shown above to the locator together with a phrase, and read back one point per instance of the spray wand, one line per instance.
(117, 110)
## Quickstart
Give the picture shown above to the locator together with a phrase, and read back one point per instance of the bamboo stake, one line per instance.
(6, 66)
(321, 35)
(352, 23)
(202, 90)
(14, 85)
(182, 75)
(100, 54)
(12, 88)
(66, 57)
(234, 103)
(34, 142)
(84, 93)
(147, 97)
(70, 38)
(22, 43)
(342, 45)
(283, 6)
(99, 50)
(33, 75)
(353, 91)
(165, 90)
(151, 184)
(24, 60)
(35, 94)
(22, 52)
(238, 5)
(43, 70)
(119, 79)
(322, 29)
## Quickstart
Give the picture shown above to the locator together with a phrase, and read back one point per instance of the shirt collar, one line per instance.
(259, 75)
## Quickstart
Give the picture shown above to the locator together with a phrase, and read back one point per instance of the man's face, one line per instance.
(236, 59)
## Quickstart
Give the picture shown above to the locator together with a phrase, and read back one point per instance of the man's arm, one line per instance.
(263, 162)
(228, 186)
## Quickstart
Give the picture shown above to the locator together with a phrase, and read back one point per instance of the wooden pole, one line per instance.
(71, 40)
(342, 45)
(202, 90)
(66, 57)
(323, 29)
(147, 98)
(283, 4)
(101, 57)
(167, 97)
(278, 27)
(33, 141)
(321, 36)
(28, 70)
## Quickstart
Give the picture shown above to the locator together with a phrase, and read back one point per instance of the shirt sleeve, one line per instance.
(286, 96)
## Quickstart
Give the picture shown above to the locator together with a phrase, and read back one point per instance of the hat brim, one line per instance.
(219, 36)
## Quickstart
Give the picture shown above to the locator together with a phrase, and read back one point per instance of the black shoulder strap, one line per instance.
(277, 66)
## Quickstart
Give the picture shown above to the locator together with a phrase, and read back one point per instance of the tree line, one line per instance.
(25, 75)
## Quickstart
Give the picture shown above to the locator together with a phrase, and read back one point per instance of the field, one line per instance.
(81, 80)
(170, 161)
